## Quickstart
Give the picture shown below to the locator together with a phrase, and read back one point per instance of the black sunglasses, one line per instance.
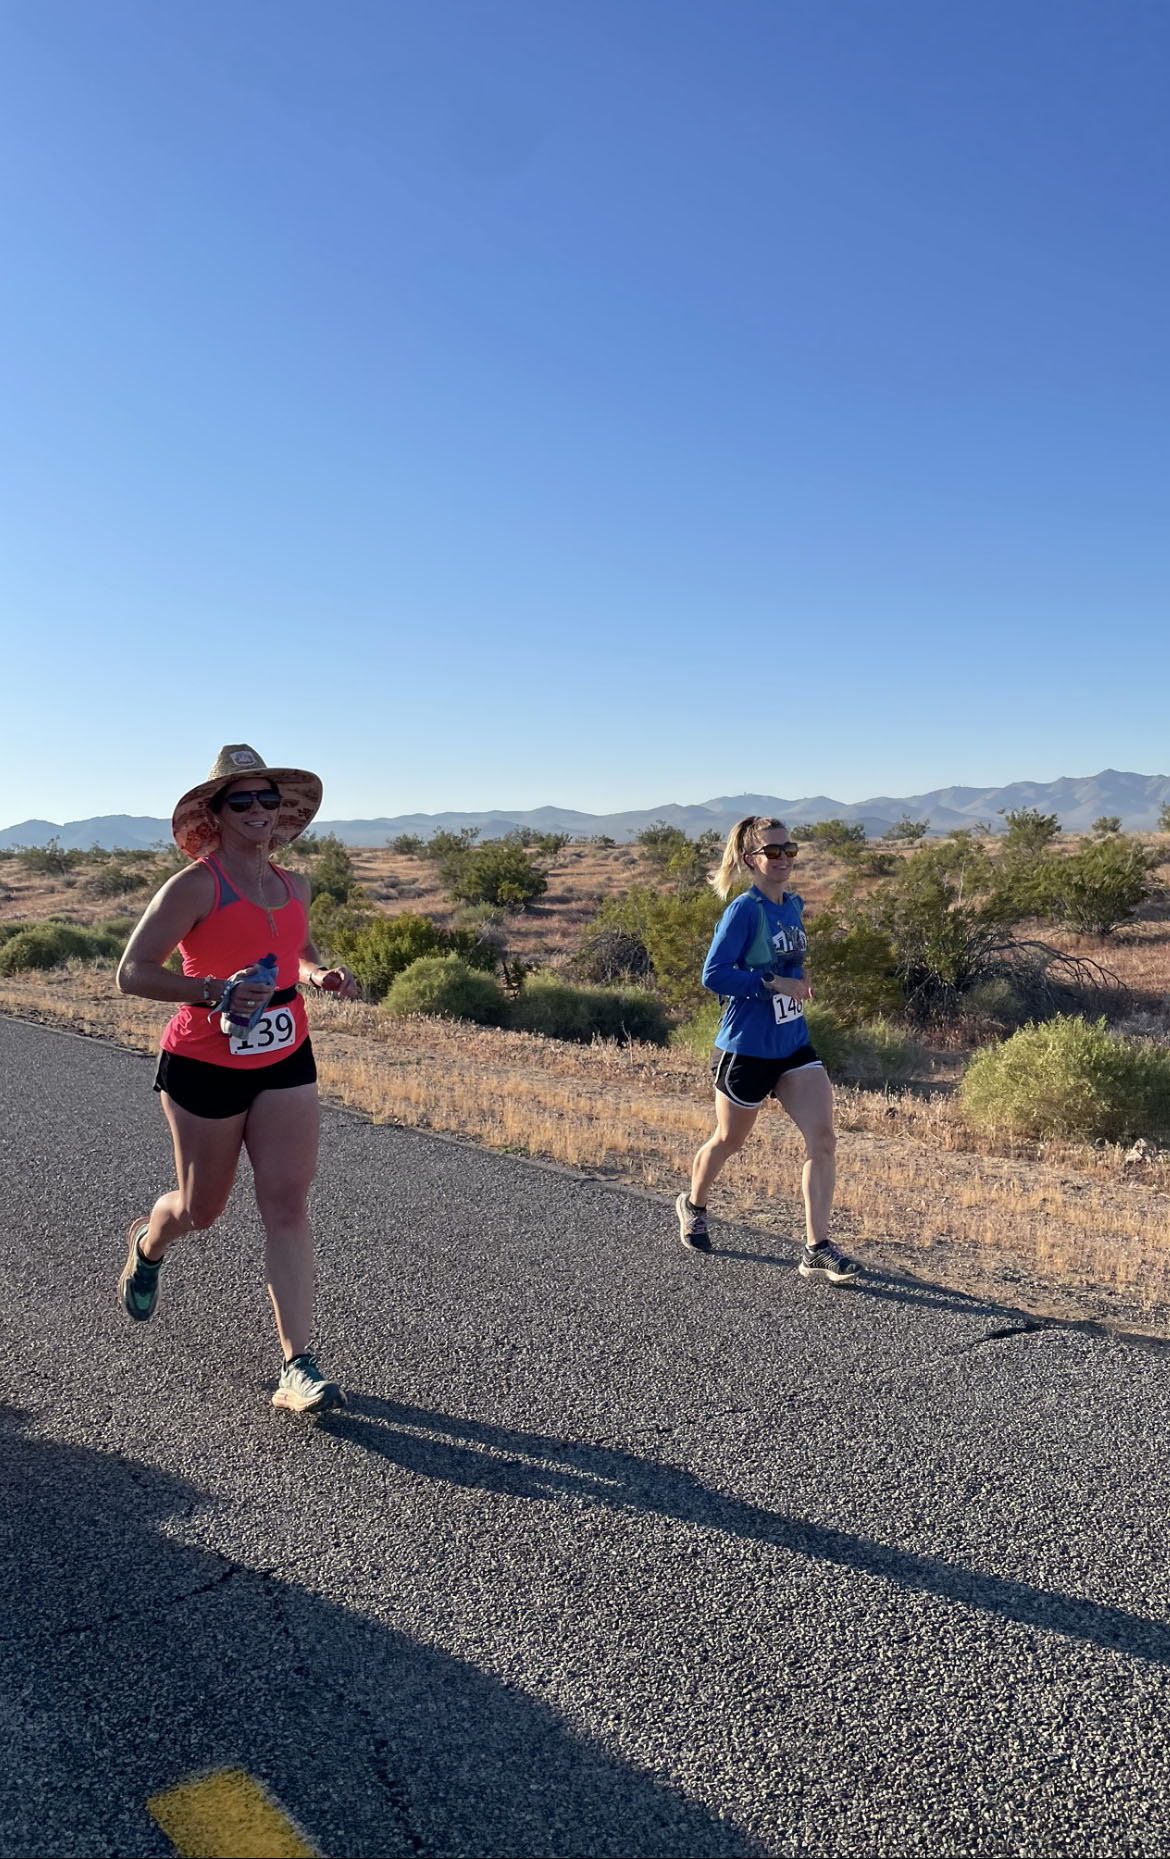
(788, 850)
(268, 797)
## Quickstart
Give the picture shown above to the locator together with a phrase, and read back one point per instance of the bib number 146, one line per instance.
(271, 1033)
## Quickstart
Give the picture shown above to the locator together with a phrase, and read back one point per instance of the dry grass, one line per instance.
(1062, 1229)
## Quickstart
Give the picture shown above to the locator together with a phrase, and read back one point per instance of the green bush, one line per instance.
(697, 1035)
(499, 872)
(1102, 885)
(870, 1055)
(1070, 1078)
(112, 881)
(443, 984)
(1029, 830)
(853, 966)
(383, 947)
(51, 860)
(331, 923)
(407, 845)
(51, 944)
(333, 872)
(560, 1011)
(675, 930)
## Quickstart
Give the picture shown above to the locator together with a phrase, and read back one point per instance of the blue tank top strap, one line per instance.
(225, 891)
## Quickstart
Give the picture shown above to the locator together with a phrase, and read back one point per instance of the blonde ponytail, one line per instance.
(743, 838)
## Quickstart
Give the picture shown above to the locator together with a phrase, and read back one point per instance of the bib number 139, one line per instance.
(271, 1033)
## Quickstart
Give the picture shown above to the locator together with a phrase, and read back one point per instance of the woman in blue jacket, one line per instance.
(756, 960)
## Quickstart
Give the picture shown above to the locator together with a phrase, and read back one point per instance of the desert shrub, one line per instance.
(407, 845)
(611, 954)
(1103, 885)
(333, 872)
(675, 930)
(839, 836)
(381, 948)
(1107, 823)
(330, 923)
(113, 881)
(853, 966)
(555, 1008)
(870, 1055)
(446, 985)
(498, 872)
(1163, 825)
(52, 860)
(697, 1034)
(1028, 830)
(1070, 1078)
(449, 853)
(906, 830)
(52, 944)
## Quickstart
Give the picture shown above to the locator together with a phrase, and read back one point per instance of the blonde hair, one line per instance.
(734, 868)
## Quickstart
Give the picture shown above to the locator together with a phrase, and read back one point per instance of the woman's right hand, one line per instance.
(249, 994)
(794, 986)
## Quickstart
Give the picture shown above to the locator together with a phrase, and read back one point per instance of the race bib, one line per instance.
(272, 1032)
(785, 1008)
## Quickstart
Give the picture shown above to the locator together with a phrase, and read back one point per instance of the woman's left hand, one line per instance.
(339, 981)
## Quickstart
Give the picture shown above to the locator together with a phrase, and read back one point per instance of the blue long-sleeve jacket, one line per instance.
(751, 1022)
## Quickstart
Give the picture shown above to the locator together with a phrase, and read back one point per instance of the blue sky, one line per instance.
(588, 403)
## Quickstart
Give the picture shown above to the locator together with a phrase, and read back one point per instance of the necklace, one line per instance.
(262, 870)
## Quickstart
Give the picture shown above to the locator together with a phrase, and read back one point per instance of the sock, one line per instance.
(694, 1206)
(140, 1258)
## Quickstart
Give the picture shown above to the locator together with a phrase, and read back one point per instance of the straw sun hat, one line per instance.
(196, 827)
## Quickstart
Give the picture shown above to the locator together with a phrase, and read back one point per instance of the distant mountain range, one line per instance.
(1135, 799)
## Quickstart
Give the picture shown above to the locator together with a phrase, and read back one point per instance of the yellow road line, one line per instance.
(227, 1815)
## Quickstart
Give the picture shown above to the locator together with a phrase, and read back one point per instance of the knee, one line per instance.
(283, 1207)
(821, 1144)
(202, 1211)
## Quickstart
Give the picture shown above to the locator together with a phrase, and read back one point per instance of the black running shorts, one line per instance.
(747, 1081)
(222, 1091)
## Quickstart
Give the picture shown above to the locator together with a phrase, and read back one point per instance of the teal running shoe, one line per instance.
(138, 1285)
(303, 1389)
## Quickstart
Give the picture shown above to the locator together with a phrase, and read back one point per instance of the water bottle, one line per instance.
(237, 1025)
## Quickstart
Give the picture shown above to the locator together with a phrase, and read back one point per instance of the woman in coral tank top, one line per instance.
(237, 1067)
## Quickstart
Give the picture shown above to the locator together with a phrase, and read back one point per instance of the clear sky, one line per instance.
(592, 402)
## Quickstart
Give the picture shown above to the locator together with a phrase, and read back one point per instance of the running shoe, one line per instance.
(303, 1388)
(829, 1262)
(692, 1225)
(138, 1285)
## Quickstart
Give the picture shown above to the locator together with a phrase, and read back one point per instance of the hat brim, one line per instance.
(197, 830)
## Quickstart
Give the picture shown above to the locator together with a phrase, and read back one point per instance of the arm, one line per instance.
(171, 914)
(312, 971)
(733, 933)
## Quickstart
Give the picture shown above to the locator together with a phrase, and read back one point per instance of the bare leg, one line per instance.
(733, 1126)
(281, 1135)
(207, 1150)
(807, 1096)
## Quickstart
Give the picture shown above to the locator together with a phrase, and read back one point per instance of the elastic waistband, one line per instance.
(281, 998)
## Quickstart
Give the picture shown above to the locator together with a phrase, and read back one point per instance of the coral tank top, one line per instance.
(233, 935)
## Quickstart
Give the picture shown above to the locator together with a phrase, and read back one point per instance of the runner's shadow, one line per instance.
(888, 1287)
(535, 1466)
(130, 1662)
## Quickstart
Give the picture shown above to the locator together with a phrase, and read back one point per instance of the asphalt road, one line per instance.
(619, 1550)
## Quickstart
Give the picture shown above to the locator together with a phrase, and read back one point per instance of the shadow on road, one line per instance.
(130, 1661)
(528, 1465)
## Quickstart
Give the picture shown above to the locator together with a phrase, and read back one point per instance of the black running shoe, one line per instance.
(692, 1225)
(828, 1262)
